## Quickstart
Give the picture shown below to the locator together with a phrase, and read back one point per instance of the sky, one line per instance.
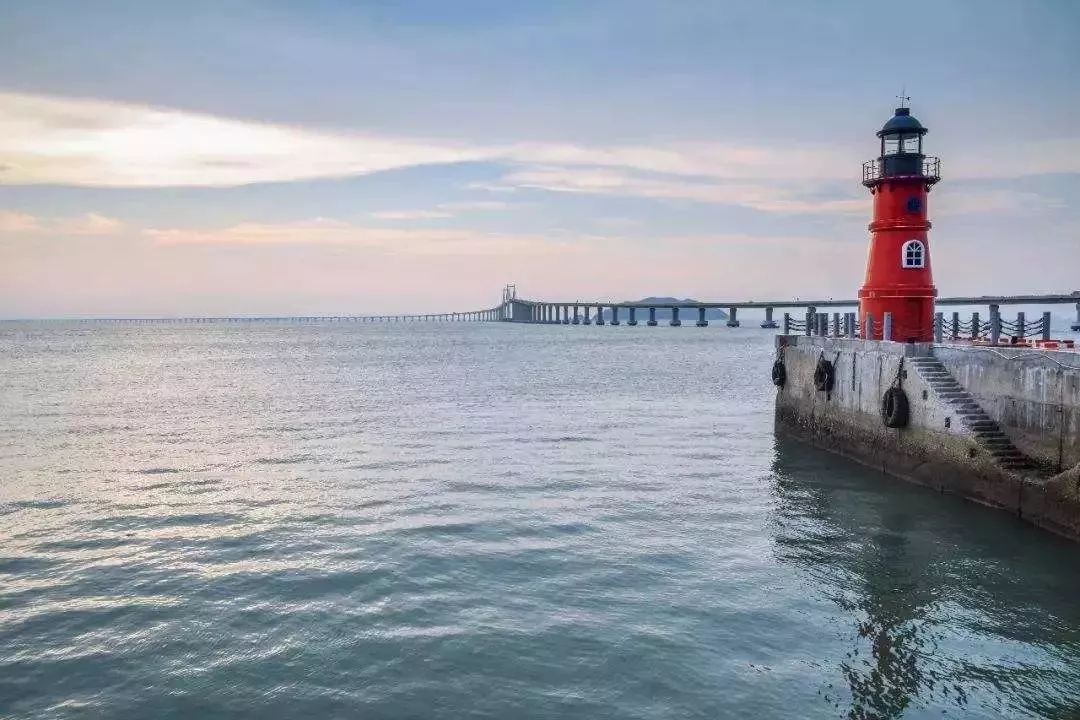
(337, 156)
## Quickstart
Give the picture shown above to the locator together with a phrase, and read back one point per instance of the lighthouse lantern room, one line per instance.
(899, 280)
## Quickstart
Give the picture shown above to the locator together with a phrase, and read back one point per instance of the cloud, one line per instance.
(773, 198)
(442, 210)
(326, 231)
(87, 224)
(410, 214)
(14, 222)
(96, 143)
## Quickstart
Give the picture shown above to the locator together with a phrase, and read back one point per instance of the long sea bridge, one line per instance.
(809, 319)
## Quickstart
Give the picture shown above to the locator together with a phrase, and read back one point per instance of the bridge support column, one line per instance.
(633, 317)
(587, 320)
(652, 317)
(599, 314)
(701, 321)
(577, 317)
(1076, 325)
(565, 314)
(614, 314)
(733, 317)
(675, 322)
(768, 322)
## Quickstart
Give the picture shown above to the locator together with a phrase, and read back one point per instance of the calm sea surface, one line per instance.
(489, 521)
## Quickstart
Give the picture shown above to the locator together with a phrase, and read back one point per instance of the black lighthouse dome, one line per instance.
(902, 122)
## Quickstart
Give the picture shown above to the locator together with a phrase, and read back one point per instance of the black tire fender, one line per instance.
(895, 409)
(779, 373)
(824, 375)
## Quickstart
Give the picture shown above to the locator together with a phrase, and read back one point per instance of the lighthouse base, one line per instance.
(912, 316)
(940, 446)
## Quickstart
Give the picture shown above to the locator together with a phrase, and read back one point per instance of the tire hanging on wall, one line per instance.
(895, 410)
(824, 375)
(779, 373)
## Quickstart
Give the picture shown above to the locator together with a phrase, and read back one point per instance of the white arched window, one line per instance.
(913, 255)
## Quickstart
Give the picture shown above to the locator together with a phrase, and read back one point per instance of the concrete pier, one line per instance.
(701, 321)
(733, 317)
(633, 317)
(768, 322)
(587, 320)
(675, 317)
(599, 314)
(614, 314)
(652, 317)
(577, 317)
(566, 315)
(999, 426)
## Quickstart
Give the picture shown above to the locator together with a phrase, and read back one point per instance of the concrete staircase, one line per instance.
(987, 432)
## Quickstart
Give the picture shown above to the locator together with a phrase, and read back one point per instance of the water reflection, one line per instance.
(921, 581)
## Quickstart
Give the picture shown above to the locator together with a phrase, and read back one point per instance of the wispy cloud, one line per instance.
(326, 231)
(94, 143)
(773, 198)
(410, 214)
(17, 223)
(442, 210)
(80, 142)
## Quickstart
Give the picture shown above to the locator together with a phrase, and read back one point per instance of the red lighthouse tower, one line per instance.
(898, 276)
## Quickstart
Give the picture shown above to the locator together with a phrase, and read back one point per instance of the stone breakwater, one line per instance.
(1000, 427)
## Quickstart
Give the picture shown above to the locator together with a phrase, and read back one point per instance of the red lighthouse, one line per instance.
(898, 276)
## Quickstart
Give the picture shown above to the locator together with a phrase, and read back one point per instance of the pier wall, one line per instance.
(1034, 396)
(935, 448)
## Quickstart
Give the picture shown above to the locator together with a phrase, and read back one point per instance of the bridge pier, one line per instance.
(614, 314)
(675, 322)
(587, 320)
(768, 322)
(652, 317)
(1076, 325)
(701, 321)
(599, 314)
(733, 317)
(633, 317)
(565, 314)
(577, 316)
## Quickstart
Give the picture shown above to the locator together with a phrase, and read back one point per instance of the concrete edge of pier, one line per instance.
(1018, 453)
